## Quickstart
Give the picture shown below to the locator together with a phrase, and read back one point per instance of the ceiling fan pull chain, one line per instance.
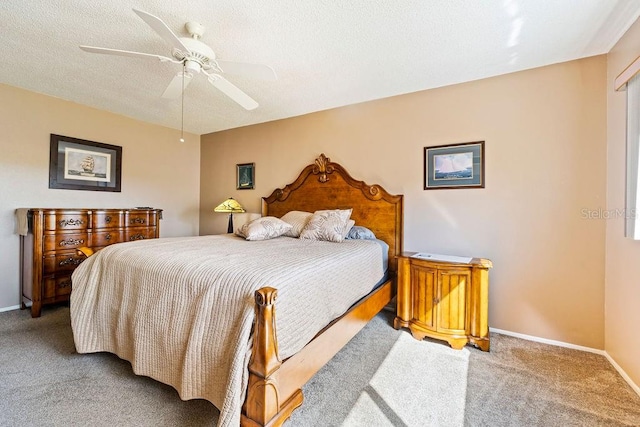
(182, 119)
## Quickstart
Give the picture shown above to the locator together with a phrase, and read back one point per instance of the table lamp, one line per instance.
(230, 206)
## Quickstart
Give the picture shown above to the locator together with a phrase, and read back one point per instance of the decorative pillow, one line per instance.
(298, 220)
(347, 228)
(327, 225)
(264, 228)
(360, 232)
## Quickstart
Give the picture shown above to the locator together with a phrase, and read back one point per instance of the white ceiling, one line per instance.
(327, 53)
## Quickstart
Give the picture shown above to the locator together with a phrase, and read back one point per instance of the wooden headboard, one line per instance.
(327, 185)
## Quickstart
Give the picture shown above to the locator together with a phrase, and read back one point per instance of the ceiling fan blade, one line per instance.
(174, 90)
(162, 29)
(232, 91)
(255, 71)
(119, 52)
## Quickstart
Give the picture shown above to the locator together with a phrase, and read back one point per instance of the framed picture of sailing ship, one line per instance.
(454, 166)
(78, 164)
(245, 176)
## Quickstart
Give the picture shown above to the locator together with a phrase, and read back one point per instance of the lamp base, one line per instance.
(230, 227)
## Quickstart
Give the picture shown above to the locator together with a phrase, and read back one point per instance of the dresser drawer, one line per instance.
(142, 218)
(62, 241)
(104, 238)
(132, 234)
(57, 286)
(66, 221)
(61, 262)
(107, 219)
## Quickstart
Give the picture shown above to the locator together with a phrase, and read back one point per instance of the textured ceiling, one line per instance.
(327, 53)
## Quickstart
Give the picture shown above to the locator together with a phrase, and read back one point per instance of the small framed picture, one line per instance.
(454, 166)
(78, 164)
(245, 176)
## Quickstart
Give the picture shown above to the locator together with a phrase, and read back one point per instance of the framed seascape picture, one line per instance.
(78, 164)
(245, 176)
(454, 166)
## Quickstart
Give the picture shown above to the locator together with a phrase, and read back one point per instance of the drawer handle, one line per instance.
(70, 260)
(137, 221)
(70, 222)
(137, 237)
(71, 242)
(107, 219)
(65, 284)
(107, 237)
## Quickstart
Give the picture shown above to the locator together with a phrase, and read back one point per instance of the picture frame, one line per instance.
(78, 164)
(245, 176)
(454, 166)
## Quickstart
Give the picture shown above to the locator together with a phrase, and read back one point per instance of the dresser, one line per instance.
(444, 300)
(48, 250)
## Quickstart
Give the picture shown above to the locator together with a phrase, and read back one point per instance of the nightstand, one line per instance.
(445, 298)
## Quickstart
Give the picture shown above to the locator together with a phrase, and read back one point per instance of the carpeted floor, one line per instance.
(524, 383)
(519, 383)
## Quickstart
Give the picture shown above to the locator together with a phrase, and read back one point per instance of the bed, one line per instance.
(150, 302)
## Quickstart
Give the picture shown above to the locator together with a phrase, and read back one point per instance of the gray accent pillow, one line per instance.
(347, 228)
(360, 232)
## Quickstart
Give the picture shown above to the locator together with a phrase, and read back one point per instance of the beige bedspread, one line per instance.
(181, 309)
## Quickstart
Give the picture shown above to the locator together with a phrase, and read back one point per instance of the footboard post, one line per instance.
(263, 405)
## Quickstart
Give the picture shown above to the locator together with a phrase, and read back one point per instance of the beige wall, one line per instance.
(157, 170)
(545, 132)
(622, 301)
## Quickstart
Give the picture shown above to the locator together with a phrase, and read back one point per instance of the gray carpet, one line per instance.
(520, 383)
(434, 393)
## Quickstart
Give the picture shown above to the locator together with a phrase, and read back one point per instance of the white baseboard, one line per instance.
(622, 373)
(13, 307)
(617, 367)
(547, 341)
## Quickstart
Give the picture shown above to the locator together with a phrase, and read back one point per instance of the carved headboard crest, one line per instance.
(323, 168)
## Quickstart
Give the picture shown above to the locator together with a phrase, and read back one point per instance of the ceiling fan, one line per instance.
(195, 58)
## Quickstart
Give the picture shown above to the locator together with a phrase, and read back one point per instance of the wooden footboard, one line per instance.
(274, 388)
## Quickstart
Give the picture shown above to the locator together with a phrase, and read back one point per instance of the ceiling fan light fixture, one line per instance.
(192, 66)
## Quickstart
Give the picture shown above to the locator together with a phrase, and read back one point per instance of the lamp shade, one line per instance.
(229, 206)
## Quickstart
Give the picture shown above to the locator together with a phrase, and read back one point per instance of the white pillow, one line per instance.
(264, 228)
(327, 225)
(298, 220)
(347, 228)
